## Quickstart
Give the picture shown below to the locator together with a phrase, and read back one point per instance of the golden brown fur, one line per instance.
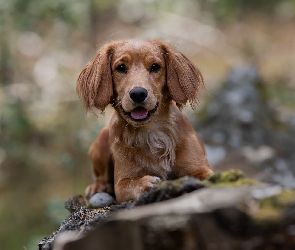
(148, 138)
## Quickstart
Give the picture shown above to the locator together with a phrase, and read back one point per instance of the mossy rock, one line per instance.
(272, 209)
(169, 189)
(231, 177)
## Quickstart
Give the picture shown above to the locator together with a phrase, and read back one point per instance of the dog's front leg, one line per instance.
(191, 157)
(103, 168)
(131, 188)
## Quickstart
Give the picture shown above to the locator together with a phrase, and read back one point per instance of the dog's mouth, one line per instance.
(140, 114)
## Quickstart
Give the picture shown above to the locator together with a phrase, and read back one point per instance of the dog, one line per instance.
(148, 139)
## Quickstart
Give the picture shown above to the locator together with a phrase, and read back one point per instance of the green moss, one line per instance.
(272, 207)
(269, 213)
(164, 184)
(279, 201)
(229, 178)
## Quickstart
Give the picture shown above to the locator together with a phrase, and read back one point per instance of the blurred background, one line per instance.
(44, 131)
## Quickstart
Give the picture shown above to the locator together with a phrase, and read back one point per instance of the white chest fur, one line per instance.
(152, 148)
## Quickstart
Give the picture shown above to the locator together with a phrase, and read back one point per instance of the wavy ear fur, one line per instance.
(94, 84)
(184, 80)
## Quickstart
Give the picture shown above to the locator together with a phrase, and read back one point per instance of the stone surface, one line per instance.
(210, 218)
(241, 129)
(227, 211)
(167, 190)
(100, 200)
(83, 219)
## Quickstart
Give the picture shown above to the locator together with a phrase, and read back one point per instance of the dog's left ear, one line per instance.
(94, 84)
(184, 80)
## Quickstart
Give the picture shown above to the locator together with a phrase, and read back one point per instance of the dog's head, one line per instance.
(139, 78)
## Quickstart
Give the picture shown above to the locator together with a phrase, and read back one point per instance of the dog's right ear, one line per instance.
(94, 84)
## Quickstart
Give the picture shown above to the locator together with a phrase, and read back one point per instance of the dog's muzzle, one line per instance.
(140, 114)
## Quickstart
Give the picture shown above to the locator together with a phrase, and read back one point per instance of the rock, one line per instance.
(242, 130)
(167, 190)
(226, 211)
(101, 200)
(75, 203)
(209, 218)
(84, 219)
(237, 114)
(81, 221)
(230, 178)
(64, 237)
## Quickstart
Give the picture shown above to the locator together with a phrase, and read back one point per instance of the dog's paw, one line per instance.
(130, 189)
(148, 182)
(91, 190)
(97, 187)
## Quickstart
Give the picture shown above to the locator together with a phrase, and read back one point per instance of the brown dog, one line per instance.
(148, 138)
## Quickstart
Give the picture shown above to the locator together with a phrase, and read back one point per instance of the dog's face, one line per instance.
(138, 77)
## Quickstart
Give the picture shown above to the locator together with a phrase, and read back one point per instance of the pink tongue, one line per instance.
(139, 113)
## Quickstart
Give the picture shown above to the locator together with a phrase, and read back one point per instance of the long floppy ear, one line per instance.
(94, 84)
(184, 80)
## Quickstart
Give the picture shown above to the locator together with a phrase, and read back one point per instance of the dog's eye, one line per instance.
(122, 68)
(155, 67)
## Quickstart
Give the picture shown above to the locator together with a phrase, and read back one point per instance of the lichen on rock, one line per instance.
(272, 209)
(231, 177)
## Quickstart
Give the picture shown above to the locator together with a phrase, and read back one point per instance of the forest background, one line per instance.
(44, 131)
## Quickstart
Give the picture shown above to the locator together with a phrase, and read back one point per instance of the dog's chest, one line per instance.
(152, 150)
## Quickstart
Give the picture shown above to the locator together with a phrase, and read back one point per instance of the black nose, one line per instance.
(138, 94)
